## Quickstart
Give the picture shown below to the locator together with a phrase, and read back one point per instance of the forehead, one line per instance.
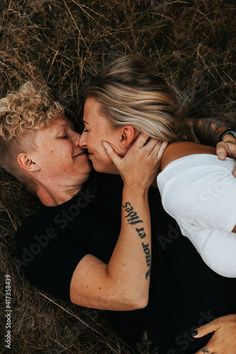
(93, 109)
(57, 124)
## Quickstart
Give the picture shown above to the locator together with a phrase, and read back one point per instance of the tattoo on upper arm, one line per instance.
(207, 130)
(133, 219)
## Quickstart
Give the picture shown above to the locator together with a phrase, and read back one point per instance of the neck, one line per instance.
(56, 194)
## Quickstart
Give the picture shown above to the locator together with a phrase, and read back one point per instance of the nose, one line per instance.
(76, 138)
(82, 141)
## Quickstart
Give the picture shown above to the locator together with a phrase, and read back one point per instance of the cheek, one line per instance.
(63, 156)
(59, 155)
(102, 160)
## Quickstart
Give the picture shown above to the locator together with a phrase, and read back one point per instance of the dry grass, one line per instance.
(61, 43)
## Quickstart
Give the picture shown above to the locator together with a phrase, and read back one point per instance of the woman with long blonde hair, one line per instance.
(197, 189)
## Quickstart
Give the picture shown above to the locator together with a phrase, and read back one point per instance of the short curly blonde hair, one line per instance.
(22, 113)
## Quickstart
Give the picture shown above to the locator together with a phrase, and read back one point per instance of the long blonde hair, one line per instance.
(131, 93)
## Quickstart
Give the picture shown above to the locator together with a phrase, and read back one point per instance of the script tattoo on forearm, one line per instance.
(133, 219)
(131, 216)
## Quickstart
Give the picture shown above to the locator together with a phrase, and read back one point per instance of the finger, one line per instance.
(224, 149)
(234, 171)
(141, 140)
(158, 149)
(221, 150)
(152, 146)
(145, 145)
(229, 137)
(231, 147)
(161, 151)
(205, 329)
(116, 159)
(206, 350)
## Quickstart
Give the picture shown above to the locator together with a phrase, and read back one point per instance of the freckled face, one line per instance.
(97, 128)
(59, 155)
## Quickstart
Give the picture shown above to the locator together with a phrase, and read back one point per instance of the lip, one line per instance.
(80, 154)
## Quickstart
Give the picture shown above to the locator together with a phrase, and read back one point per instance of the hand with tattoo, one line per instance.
(206, 130)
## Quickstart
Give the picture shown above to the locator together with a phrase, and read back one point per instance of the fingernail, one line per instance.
(221, 156)
(194, 333)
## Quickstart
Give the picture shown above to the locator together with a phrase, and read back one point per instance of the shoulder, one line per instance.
(33, 237)
(47, 255)
(177, 150)
(30, 223)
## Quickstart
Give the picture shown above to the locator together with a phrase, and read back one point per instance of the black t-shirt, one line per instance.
(184, 292)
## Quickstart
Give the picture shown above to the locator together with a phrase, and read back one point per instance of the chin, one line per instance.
(110, 169)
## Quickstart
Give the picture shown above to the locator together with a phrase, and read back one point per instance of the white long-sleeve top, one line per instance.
(199, 192)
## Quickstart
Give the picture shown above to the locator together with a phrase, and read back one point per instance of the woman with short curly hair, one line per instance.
(22, 114)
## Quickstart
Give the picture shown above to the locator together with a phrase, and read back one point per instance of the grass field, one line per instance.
(61, 44)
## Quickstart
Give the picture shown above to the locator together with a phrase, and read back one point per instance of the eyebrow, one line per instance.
(64, 126)
(84, 121)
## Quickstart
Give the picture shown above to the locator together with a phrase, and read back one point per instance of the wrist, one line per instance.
(135, 189)
(229, 131)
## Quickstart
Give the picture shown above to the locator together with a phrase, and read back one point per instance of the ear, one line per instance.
(127, 135)
(26, 163)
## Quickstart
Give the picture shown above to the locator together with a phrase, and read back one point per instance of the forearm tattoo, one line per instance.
(134, 219)
(207, 130)
(131, 216)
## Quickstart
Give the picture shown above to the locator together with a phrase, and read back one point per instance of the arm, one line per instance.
(207, 130)
(201, 199)
(123, 283)
(217, 249)
(223, 339)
